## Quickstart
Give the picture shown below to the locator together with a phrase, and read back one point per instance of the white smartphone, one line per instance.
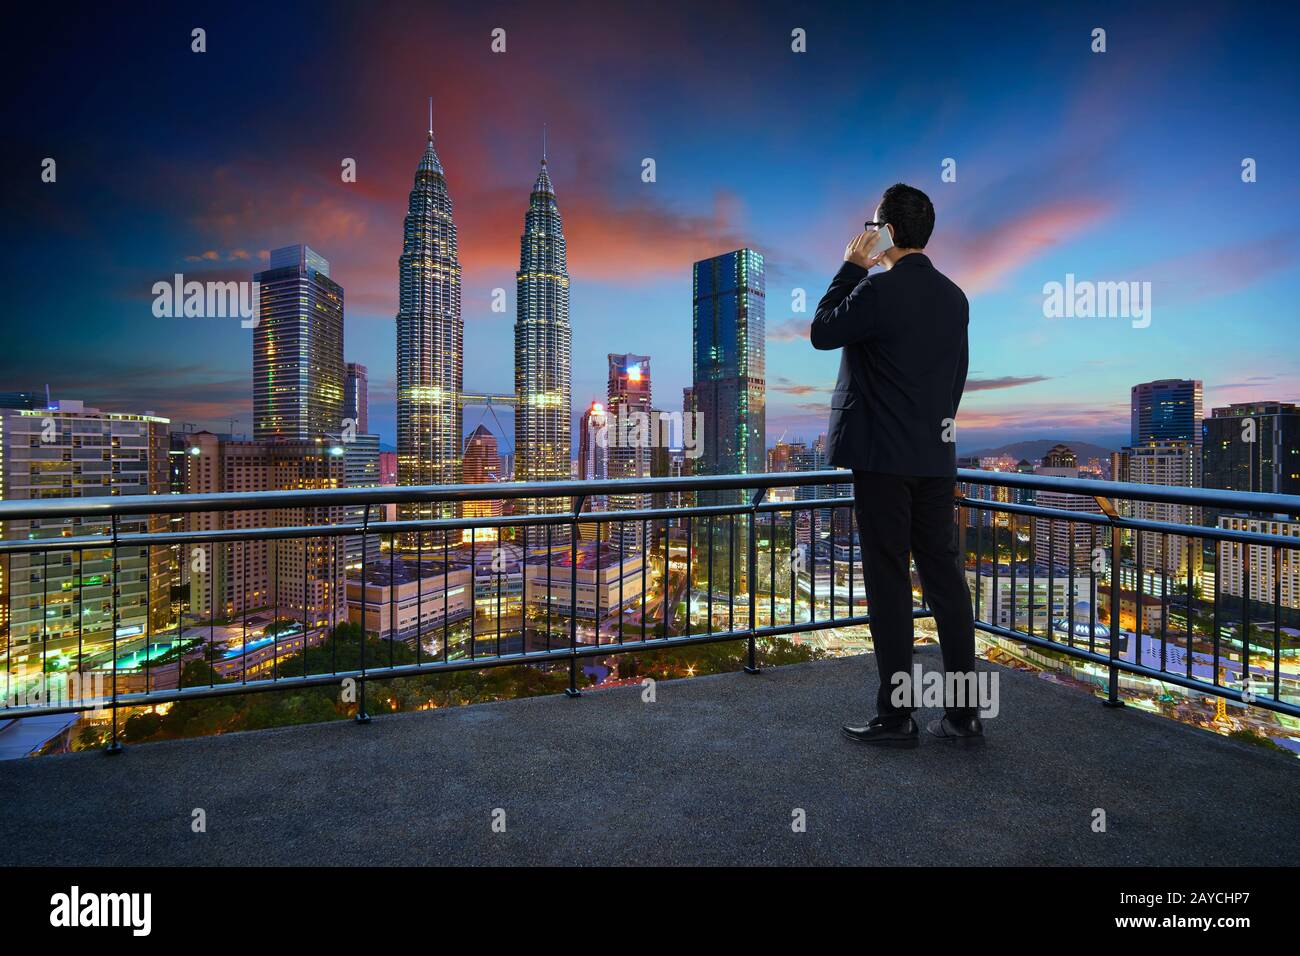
(883, 243)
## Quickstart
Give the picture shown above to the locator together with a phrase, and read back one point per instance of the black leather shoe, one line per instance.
(964, 731)
(893, 734)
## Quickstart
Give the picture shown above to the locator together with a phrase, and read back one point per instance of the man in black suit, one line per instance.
(902, 370)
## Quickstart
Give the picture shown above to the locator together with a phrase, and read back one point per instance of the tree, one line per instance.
(341, 652)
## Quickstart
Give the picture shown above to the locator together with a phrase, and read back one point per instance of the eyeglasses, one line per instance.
(880, 226)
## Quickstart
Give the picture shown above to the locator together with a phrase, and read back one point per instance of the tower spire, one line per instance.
(430, 339)
(543, 342)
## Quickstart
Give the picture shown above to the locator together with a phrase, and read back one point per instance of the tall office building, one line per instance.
(543, 348)
(593, 444)
(356, 396)
(593, 463)
(633, 431)
(361, 470)
(1168, 409)
(64, 605)
(728, 356)
(1164, 448)
(430, 341)
(482, 465)
(1061, 543)
(1252, 446)
(301, 578)
(297, 348)
(1173, 464)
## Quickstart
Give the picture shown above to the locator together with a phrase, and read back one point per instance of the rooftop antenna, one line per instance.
(543, 144)
(431, 119)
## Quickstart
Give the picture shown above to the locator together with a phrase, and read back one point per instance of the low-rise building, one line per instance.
(405, 597)
(616, 582)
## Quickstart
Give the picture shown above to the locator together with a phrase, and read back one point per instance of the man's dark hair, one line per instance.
(911, 214)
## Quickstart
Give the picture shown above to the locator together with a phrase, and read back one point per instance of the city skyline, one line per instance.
(414, 451)
(632, 242)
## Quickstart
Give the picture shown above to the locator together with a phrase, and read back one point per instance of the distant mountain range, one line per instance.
(1033, 451)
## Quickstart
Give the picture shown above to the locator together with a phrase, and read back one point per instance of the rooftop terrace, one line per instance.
(716, 770)
(710, 774)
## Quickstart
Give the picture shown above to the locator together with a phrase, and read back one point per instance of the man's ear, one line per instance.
(890, 227)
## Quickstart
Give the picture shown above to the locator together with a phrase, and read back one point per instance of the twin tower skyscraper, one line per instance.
(431, 335)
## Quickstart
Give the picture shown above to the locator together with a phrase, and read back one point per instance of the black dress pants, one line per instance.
(896, 515)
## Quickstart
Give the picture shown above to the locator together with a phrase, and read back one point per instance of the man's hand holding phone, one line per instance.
(859, 249)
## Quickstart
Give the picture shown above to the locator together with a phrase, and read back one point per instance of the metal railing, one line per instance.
(1219, 659)
(736, 563)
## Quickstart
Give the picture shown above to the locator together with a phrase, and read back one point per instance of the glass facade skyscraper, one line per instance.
(1231, 460)
(297, 348)
(543, 347)
(1270, 463)
(430, 341)
(1166, 410)
(728, 362)
(356, 396)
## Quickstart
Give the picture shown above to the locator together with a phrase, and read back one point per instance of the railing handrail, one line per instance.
(408, 526)
(105, 507)
(1253, 501)
(668, 611)
(399, 494)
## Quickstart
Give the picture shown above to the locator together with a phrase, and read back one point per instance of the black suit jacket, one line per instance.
(903, 368)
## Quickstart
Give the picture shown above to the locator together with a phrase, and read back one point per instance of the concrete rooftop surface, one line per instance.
(711, 773)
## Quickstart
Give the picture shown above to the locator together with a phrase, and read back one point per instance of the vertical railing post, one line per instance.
(963, 516)
(1245, 615)
(751, 574)
(572, 689)
(1112, 692)
(363, 717)
(1277, 620)
(114, 745)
